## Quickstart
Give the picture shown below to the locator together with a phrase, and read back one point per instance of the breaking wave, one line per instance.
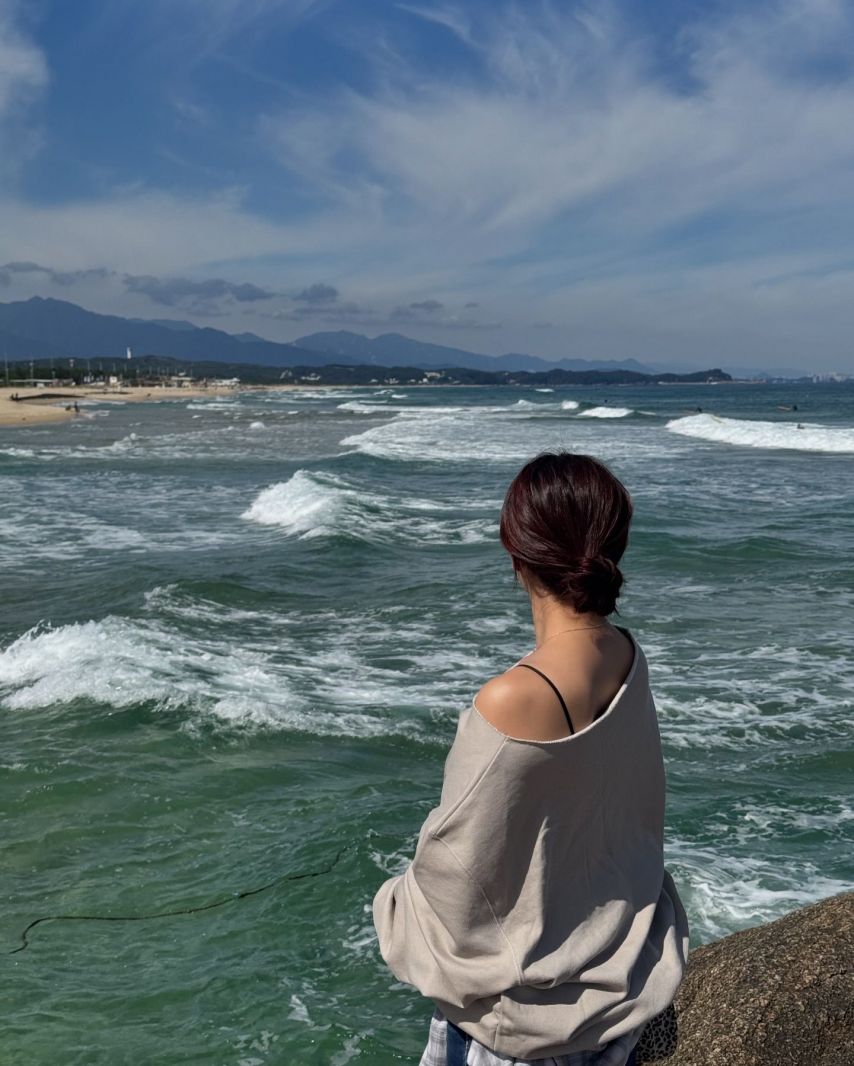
(605, 412)
(760, 434)
(120, 663)
(318, 504)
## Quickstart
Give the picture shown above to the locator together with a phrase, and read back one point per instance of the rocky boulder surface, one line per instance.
(780, 994)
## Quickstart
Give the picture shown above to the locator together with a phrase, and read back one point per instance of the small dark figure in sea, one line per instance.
(800, 425)
(699, 408)
(76, 408)
(794, 407)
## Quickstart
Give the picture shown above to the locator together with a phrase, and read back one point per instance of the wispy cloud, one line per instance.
(451, 18)
(572, 116)
(23, 69)
(23, 79)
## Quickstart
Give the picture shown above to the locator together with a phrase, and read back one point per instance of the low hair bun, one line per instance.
(592, 584)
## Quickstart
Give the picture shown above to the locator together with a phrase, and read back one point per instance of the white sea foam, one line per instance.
(47, 520)
(360, 938)
(605, 412)
(219, 441)
(327, 672)
(764, 434)
(570, 405)
(544, 390)
(360, 407)
(289, 395)
(306, 504)
(18, 453)
(831, 815)
(725, 891)
(442, 437)
(487, 434)
(257, 425)
(317, 504)
(118, 663)
(757, 697)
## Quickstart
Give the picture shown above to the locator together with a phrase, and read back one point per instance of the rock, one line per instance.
(780, 994)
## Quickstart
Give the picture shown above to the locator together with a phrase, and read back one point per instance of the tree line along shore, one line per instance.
(152, 370)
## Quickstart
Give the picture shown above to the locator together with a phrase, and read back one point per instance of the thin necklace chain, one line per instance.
(574, 629)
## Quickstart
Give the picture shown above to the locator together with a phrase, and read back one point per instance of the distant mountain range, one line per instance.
(41, 328)
(397, 350)
(45, 328)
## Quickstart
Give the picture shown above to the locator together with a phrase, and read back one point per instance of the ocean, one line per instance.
(236, 636)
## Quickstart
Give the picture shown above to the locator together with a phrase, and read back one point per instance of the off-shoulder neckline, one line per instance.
(607, 713)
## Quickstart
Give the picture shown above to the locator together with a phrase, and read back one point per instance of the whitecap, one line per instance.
(570, 405)
(483, 434)
(18, 453)
(605, 412)
(764, 434)
(119, 663)
(306, 504)
(360, 407)
(441, 437)
(316, 504)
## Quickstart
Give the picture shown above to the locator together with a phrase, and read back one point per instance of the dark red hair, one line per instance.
(565, 523)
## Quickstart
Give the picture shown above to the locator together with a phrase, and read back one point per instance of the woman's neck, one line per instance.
(550, 616)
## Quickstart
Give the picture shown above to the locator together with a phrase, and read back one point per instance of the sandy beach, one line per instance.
(37, 406)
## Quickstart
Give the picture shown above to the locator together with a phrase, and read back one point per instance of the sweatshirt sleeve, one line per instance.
(438, 932)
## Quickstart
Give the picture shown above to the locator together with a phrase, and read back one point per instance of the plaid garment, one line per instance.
(616, 1053)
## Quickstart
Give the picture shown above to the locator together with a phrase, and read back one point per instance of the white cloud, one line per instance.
(544, 183)
(574, 154)
(23, 76)
(451, 18)
(571, 118)
(23, 70)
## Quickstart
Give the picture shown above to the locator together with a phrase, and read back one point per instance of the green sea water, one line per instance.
(236, 636)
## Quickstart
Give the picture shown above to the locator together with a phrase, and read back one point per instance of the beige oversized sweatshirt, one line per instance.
(537, 913)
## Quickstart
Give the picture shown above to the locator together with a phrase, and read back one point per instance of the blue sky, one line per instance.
(672, 181)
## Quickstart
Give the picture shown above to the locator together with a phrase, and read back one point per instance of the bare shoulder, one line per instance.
(518, 704)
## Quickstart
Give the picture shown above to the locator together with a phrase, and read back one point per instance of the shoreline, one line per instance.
(33, 409)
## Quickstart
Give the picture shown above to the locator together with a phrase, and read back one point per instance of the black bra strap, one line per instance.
(556, 692)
